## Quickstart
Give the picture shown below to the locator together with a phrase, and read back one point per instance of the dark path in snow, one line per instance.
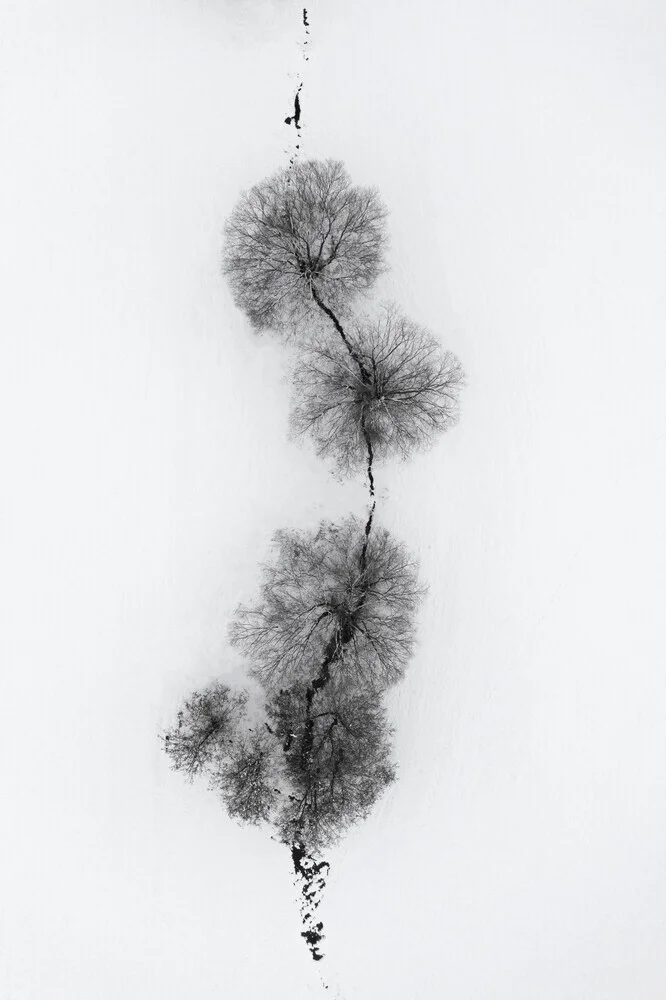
(295, 119)
(309, 871)
(312, 884)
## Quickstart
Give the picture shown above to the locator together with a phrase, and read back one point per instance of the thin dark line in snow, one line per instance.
(295, 118)
(308, 871)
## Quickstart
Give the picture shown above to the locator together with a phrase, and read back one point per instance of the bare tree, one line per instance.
(213, 738)
(391, 395)
(337, 601)
(304, 238)
(206, 727)
(247, 779)
(337, 761)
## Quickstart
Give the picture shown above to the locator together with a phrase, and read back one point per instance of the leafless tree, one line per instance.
(337, 761)
(392, 394)
(304, 238)
(213, 738)
(206, 727)
(338, 600)
(248, 777)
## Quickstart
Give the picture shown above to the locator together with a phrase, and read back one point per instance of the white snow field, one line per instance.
(521, 149)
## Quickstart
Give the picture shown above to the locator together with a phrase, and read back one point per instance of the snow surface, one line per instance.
(521, 148)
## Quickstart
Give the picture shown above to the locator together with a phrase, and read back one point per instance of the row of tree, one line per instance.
(333, 625)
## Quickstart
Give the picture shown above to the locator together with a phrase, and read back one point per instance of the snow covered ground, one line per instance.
(521, 148)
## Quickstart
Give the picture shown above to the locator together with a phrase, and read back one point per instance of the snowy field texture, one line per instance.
(521, 150)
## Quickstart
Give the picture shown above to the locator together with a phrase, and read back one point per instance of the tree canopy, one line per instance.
(335, 595)
(393, 389)
(302, 234)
